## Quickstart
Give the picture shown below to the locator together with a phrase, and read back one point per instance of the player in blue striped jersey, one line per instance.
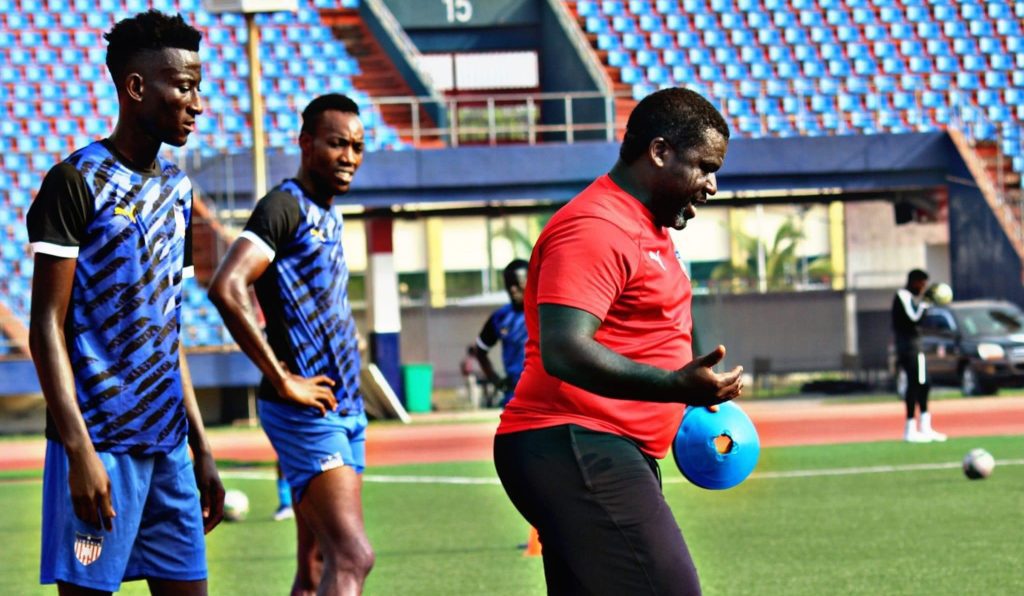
(310, 405)
(507, 325)
(110, 228)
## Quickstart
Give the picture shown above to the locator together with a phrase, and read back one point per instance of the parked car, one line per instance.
(976, 344)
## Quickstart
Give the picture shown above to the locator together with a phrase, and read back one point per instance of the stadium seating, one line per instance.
(911, 62)
(55, 95)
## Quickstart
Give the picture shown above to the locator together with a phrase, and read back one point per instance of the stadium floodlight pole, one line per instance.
(249, 8)
(259, 161)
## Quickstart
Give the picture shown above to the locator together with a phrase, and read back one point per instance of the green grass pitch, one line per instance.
(849, 525)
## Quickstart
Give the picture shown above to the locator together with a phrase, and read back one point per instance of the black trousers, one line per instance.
(597, 504)
(912, 363)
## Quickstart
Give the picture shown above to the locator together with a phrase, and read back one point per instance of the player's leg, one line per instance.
(170, 552)
(309, 564)
(332, 506)
(922, 403)
(78, 557)
(284, 497)
(597, 505)
(910, 365)
(64, 589)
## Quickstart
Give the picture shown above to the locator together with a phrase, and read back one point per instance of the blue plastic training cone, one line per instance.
(716, 450)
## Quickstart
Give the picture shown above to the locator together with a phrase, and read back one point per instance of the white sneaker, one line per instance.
(284, 512)
(913, 436)
(927, 430)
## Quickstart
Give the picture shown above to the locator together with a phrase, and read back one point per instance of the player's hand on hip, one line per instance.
(90, 490)
(314, 392)
(211, 491)
(702, 386)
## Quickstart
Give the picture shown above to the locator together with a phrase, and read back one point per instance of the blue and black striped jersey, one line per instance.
(507, 325)
(304, 291)
(129, 232)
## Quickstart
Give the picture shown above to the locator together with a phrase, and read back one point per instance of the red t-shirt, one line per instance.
(602, 253)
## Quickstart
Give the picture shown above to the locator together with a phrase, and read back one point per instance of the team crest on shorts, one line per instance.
(331, 461)
(87, 548)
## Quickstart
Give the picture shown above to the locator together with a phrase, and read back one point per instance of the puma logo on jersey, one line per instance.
(318, 234)
(129, 212)
(656, 257)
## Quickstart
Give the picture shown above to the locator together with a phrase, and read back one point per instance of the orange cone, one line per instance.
(532, 544)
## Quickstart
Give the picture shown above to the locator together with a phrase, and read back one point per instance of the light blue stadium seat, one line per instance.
(666, 6)
(651, 22)
(967, 80)
(893, 65)
(634, 41)
(586, 8)
(990, 45)
(761, 71)
(946, 64)
(997, 80)
(902, 100)
(659, 75)
(608, 41)
(928, 30)
(954, 28)
(794, 35)
(662, 40)
(974, 63)
(920, 64)
(769, 37)
(776, 88)
(624, 24)
(838, 68)
(620, 58)
(683, 74)
(864, 66)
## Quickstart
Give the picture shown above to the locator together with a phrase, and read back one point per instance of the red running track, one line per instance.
(435, 438)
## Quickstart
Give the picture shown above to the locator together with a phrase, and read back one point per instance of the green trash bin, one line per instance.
(419, 383)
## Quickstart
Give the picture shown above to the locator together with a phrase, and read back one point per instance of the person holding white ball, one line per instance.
(908, 308)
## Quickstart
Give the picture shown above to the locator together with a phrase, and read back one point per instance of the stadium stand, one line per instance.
(55, 95)
(777, 68)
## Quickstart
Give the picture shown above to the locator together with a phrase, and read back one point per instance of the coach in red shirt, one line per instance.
(609, 363)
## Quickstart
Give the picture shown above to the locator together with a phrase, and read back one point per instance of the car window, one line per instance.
(991, 321)
(937, 321)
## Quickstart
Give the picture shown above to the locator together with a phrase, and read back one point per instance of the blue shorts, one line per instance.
(158, 531)
(308, 444)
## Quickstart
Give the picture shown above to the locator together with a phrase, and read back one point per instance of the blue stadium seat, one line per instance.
(662, 40)
(928, 30)
(996, 80)
(946, 64)
(954, 29)
(893, 65)
(967, 80)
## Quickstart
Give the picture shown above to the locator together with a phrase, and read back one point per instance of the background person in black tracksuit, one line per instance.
(908, 308)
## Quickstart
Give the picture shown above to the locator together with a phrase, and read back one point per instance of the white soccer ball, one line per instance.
(941, 294)
(978, 464)
(236, 505)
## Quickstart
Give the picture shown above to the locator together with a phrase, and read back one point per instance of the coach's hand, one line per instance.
(702, 386)
(211, 491)
(90, 489)
(314, 392)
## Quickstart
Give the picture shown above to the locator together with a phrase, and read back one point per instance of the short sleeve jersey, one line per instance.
(602, 253)
(304, 291)
(129, 232)
(508, 326)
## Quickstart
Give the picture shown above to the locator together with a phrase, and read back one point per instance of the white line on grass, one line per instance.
(470, 480)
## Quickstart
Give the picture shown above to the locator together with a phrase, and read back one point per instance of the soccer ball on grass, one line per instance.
(236, 505)
(978, 464)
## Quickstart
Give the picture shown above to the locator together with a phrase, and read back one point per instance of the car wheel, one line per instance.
(971, 385)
